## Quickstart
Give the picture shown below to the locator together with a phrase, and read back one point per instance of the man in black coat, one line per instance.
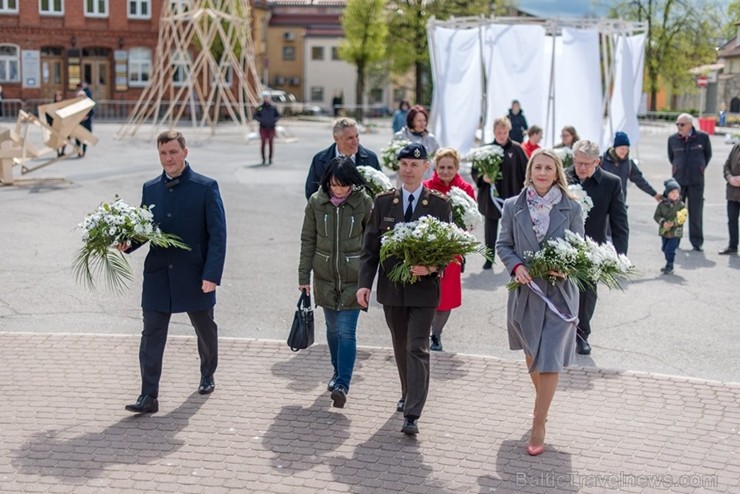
(605, 190)
(409, 308)
(267, 115)
(511, 183)
(346, 143)
(189, 205)
(689, 151)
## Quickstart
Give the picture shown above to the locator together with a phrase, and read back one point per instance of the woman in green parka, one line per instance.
(331, 241)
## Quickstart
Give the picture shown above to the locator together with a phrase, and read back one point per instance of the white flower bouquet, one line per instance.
(426, 242)
(487, 160)
(583, 260)
(565, 154)
(464, 209)
(107, 226)
(389, 154)
(377, 181)
(583, 199)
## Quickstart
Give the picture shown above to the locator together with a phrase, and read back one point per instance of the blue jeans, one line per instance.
(669, 248)
(341, 328)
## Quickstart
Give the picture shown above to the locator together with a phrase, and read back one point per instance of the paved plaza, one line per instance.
(653, 409)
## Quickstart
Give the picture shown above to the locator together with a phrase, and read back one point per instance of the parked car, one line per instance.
(285, 102)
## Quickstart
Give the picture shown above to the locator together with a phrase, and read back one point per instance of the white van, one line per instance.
(285, 102)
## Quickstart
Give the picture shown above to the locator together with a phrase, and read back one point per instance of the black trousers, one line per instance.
(693, 195)
(154, 338)
(733, 213)
(410, 334)
(586, 308)
(490, 230)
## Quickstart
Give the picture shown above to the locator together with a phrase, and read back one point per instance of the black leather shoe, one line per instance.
(332, 382)
(488, 265)
(727, 251)
(582, 346)
(144, 404)
(400, 405)
(436, 345)
(410, 427)
(207, 385)
(339, 397)
(698, 248)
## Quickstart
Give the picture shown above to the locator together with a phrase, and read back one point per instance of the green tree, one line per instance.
(365, 32)
(407, 42)
(679, 36)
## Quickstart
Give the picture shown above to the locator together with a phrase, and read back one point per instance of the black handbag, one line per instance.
(301, 332)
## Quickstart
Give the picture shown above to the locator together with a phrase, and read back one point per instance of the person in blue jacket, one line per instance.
(187, 204)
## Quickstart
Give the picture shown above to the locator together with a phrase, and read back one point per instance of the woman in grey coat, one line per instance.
(544, 210)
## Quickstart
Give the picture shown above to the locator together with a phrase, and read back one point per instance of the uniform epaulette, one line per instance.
(385, 193)
(438, 194)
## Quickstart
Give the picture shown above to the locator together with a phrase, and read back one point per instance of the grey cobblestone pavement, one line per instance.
(270, 427)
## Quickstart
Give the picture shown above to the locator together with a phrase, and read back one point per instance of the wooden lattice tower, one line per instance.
(189, 81)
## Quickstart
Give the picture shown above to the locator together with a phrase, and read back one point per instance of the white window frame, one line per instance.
(8, 60)
(5, 6)
(180, 67)
(96, 8)
(180, 6)
(312, 97)
(50, 10)
(139, 4)
(138, 65)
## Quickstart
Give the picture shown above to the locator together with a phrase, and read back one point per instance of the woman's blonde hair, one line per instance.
(561, 181)
(447, 153)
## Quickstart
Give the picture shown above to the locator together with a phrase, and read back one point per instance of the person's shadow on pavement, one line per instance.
(134, 440)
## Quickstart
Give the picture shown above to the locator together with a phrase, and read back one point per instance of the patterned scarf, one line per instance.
(540, 207)
(338, 201)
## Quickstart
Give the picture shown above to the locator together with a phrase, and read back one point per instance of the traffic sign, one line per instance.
(702, 81)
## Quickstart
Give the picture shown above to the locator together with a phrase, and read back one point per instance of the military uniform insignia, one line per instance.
(396, 200)
(425, 202)
(389, 219)
(417, 153)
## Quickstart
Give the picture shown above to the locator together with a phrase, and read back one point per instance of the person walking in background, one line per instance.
(416, 130)
(409, 308)
(722, 114)
(616, 160)
(670, 225)
(518, 122)
(331, 240)
(513, 169)
(532, 144)
(58, 96)
(399, 116)
(731, 172)
(346, 143)
(84, 90)
(608, 212)
(689, 151)
(189, 205)
(543, 211)
(446, 176)
(568, 137)
(267, 115)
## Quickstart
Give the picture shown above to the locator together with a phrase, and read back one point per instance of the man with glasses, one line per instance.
(689, 152)
(605, 190)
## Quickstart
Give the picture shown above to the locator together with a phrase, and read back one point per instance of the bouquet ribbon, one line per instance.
(562, 315)
(497, 201)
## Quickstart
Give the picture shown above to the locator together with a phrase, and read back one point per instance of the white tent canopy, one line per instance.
(584, 73)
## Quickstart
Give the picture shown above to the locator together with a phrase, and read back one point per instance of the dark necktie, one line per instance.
(409, 209)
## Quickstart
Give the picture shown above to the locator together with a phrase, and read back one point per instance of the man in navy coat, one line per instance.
(189, 205)
(346, 143)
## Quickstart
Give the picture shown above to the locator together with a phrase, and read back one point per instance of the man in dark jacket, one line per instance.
(409, 308)
(617, 161)
(267, 115)
(689, 151)
(189, 205)
(605, 190)
(511, 183)
(518, 122)
(346, 143)
(731, 172)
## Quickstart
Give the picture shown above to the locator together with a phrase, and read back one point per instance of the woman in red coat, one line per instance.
(446, 176)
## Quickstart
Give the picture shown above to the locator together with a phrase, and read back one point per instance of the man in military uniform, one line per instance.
(409, 308)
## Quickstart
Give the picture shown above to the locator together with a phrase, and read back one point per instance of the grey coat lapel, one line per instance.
(558, 219)
(521, 216)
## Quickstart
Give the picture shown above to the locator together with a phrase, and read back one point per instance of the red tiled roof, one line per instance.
(325, 31)
(307, 2)
(304, 20)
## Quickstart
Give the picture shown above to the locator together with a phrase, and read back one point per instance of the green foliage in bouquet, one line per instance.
(487, 160)
(389, 154)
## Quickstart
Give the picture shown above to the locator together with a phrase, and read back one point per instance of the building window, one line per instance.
(375, 96)
(9, 63)
(317, 94)
(317, 53)
(140, 9)
(179, 69)
(139, 66)
(335, 53)
(96, 8)
(288, 53)
(51, 7)
(9, 6)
